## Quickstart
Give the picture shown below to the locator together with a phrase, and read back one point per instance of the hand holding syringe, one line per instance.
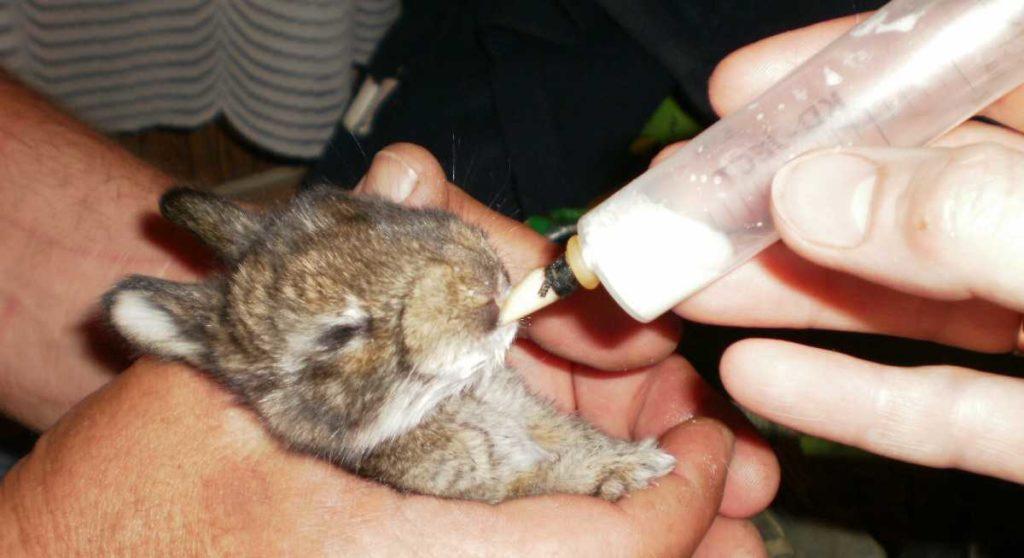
(934, 252)
(909, 73)
(939, 238)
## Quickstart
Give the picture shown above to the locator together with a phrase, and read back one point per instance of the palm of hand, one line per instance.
(196, 463)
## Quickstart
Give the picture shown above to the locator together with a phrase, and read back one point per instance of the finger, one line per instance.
(972, 132)
(667, 519)
(591, 329)
(405, 173)
(731, 538)
(781, 289)
(646, 403)
(941, 416)
(751, 70)
(937, 222)
(674, 392)
(588, 328)
(672, 516)
(409, 174)
(1009, 110)
(667, 152)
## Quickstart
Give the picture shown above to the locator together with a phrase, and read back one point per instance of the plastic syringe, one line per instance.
(903, 77)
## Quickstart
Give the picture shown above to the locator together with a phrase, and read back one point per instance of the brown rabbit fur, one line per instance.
(366, 334)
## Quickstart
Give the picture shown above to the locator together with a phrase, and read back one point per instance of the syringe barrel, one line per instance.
(903, 77)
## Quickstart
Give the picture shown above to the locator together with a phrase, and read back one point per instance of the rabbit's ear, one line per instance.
(164, 318)
(220, 224)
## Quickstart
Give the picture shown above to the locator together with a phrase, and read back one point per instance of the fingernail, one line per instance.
(390, 177)
(826, 198)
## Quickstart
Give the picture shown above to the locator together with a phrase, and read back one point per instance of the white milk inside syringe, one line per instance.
(626, 232)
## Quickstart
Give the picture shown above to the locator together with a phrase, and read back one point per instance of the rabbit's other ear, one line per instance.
(220, 224)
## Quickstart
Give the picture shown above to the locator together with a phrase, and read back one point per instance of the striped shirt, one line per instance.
(280, 71)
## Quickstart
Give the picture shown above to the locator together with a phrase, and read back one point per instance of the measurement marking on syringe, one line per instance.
(877, 126)
(974, 92)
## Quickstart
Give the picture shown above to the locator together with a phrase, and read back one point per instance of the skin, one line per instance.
(76, 216)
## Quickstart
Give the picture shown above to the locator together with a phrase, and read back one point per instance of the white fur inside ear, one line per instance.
(150, 326)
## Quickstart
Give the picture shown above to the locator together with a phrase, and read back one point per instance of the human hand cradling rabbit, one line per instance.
(203, 468)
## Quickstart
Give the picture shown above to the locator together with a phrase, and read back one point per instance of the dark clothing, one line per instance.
(531, 105)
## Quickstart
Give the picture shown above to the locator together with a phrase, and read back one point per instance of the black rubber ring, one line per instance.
(559, 277)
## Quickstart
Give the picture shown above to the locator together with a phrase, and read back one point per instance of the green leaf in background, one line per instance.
(557, 225)
(567, 216)
(668, 124)
(540, 223)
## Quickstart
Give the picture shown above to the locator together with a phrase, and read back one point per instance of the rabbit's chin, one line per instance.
(451, 371)
(468, 360)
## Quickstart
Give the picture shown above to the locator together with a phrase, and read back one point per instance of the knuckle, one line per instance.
(974, 197)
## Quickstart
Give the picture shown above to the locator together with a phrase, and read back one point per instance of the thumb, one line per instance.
(408, 174)
(940, 222)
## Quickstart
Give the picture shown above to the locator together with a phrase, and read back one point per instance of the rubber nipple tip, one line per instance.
(526, 297)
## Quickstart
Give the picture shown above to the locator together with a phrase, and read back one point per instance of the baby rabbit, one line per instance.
(367, 334)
